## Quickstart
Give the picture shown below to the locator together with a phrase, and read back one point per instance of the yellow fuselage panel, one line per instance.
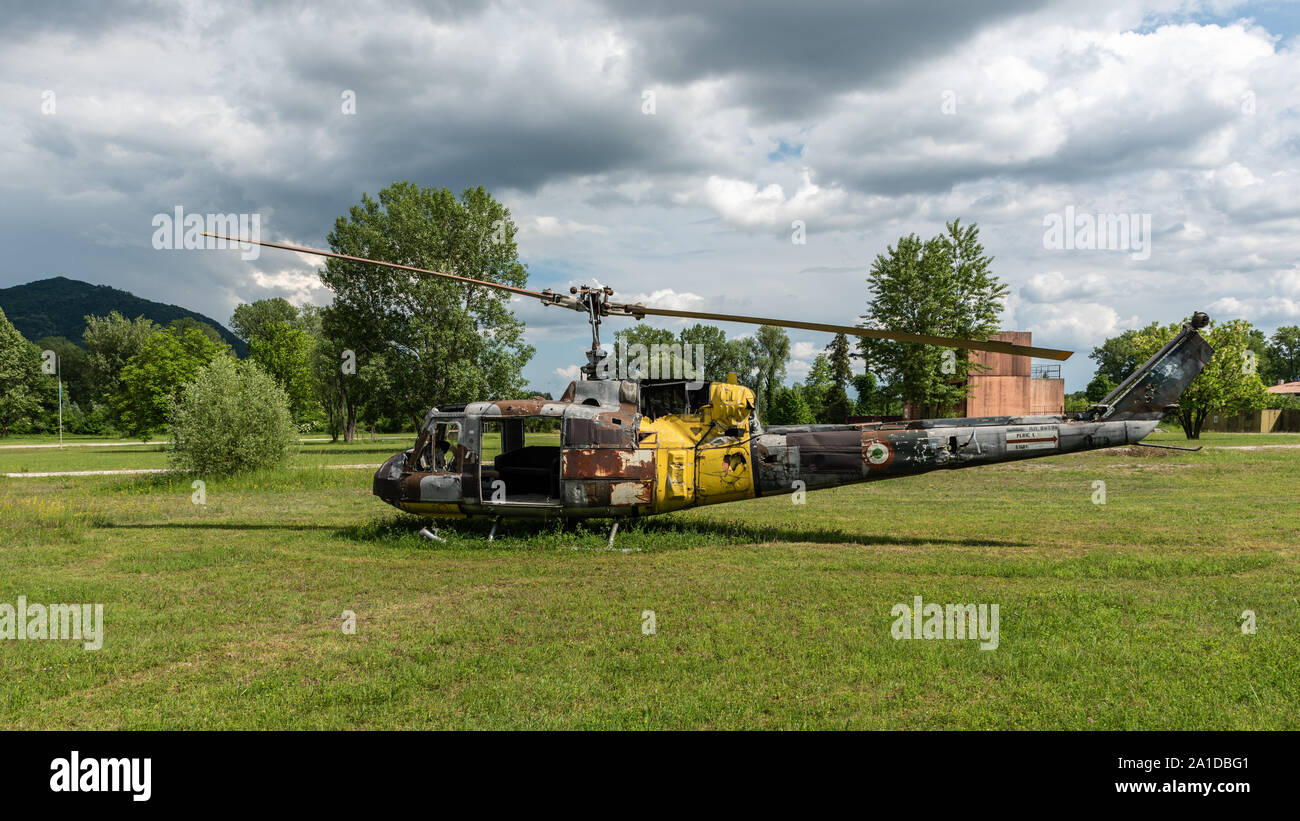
(703, 458)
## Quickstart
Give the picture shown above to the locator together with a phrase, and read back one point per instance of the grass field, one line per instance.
(768, 614)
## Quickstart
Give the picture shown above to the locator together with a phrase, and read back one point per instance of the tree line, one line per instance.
(393, 343)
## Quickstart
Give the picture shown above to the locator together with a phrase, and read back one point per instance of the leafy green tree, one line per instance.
(648, 336)
(186, 323)
(153, 378)
(741, 357)
(1284, 355)
(231, 418)
(285, 352)
(1228, 384)
(1078, 401)
(864, 384)
(72, 367)
(715, 362)
(939, 287)
(110, 341)
(445, 341)
(250, 320)
(838, 406)
(789, 408)
(771, 347)
(338, 386)
(24, 390)
(817, 385)
(1116, 358)
(1101, 385)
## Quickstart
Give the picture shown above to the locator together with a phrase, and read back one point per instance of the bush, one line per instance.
(232, 418)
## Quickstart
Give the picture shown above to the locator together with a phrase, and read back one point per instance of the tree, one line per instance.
(638, 363)
(231, 418)
(1077, 402)
(789, 408)
(817, 385)
(1100, 386)
(714, 351)
(72, 367)
(444, 341)
(153, 377)
(864, 384)
(1228, 384)
(938, 287)
(186, 323)
(838, 406)
(741, 357)
(285, 353)
(24, 390)
(1284, 354)
(338, 387)
(110, 341)
(250, 320)
(771, 349)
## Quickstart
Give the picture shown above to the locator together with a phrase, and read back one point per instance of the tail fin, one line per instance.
(1151, 389)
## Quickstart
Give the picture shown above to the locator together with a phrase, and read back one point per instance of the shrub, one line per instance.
(232, 418)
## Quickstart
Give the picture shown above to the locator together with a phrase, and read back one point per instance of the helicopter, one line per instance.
(647, 446)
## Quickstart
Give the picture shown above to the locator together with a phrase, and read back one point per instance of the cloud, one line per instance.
(556, 227)
(569, 373)
(905, 115)
(1056, 287)
(666, 298)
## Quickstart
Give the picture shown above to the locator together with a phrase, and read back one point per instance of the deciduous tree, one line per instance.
(24, 390)
(444, 341)
(152, 378)
(938, 287)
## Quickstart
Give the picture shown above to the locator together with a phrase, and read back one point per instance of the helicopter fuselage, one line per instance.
(627, 448)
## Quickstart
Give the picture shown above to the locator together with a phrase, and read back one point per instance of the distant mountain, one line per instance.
(58, 307)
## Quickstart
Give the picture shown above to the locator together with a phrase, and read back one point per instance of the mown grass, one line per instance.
(768, 614)
(153, 456)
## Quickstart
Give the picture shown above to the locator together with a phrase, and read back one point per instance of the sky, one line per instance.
(678, 152)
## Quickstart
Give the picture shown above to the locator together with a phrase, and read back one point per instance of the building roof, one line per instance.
(1285, 387)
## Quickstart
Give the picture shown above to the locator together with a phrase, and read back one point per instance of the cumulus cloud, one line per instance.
(865, 121)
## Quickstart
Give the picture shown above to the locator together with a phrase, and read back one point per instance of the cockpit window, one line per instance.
(438, 450)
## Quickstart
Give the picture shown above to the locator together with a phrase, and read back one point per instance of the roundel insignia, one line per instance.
(877, 454)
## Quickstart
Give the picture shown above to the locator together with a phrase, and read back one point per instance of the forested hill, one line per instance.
(58, 307)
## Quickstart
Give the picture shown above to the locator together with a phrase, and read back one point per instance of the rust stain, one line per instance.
(608, 463)
(521, 407)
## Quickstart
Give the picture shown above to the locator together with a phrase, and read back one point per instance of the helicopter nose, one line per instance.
(388, 477)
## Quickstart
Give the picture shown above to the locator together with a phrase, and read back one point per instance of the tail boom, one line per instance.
(822, 456)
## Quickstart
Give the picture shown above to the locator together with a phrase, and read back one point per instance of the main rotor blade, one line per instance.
(551, 298)
(316, 252)
(993, 346)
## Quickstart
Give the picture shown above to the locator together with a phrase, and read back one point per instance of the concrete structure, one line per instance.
(1012, 385)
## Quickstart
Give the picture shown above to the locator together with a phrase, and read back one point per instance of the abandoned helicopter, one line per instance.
(640, 447)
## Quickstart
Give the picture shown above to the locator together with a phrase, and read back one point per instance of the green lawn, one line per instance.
(769, 614)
